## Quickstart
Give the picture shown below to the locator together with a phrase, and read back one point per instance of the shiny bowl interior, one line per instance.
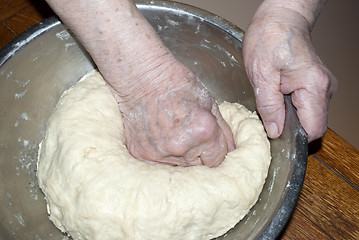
(40, 64)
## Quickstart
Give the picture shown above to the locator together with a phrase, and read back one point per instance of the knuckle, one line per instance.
(269, 104)
(319, 74)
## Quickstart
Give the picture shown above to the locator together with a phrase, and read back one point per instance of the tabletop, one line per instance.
(328, 206)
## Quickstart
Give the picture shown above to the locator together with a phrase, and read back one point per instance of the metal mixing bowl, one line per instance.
(44, 61)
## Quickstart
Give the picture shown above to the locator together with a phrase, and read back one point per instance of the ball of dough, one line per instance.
(96, 190)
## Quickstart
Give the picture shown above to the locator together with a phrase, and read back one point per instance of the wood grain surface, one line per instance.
(328, 207)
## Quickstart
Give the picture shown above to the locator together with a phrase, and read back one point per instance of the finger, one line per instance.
(311, 103)
(215, 152)
(208, 137)
(312, 113)
(224, 128)
(311, 87)
(270, 104)
(227, 134)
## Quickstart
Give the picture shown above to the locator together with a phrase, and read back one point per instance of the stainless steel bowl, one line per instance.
(45, 60)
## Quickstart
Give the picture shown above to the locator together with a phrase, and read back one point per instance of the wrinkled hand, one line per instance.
(169, 116)
(177, 122)
(280, 59)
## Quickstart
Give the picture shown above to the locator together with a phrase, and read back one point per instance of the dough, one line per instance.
(96, 190)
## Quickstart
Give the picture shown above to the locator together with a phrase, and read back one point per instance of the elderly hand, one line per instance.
(175, 121)
(280, 59)
(169, 116)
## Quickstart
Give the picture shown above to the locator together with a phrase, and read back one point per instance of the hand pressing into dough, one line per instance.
(280, 59)
(177, 123)
(169, 116)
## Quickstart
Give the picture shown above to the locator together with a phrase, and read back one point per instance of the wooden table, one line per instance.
(328, 207)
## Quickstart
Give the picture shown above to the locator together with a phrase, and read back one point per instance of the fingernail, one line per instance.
(272, 129)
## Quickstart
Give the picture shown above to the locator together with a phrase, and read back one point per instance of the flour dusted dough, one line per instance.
(96, 190)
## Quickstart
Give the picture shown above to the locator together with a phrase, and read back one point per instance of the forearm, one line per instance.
(118, 38)
(307, 9)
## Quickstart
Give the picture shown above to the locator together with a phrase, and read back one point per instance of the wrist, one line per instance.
(308, 10)
(149, 81)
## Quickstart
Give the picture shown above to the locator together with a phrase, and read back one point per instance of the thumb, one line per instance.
(270, 106)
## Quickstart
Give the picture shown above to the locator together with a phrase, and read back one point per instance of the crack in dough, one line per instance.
(96, 190)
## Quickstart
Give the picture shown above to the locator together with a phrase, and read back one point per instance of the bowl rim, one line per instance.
(291, 193)
(25, 37)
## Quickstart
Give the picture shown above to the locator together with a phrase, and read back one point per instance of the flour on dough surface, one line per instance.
(96, 190)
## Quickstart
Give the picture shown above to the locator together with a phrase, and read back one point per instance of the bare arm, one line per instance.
(119, 39)
(166, 117)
